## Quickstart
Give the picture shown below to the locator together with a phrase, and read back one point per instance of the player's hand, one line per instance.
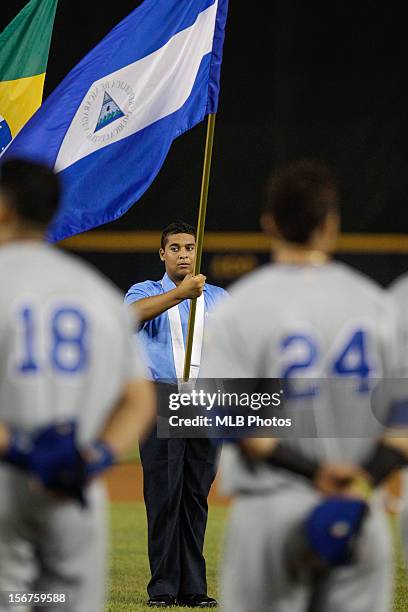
(191, 286)
(51, 457)
(360, 488)
(72, 475)
(336, 478)
(56, 463)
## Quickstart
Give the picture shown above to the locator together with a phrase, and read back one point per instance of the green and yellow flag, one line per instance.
(24, 48)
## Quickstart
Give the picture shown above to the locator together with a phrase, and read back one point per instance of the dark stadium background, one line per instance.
(315, 79)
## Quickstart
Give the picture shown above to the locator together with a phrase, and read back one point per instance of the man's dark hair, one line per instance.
(177, 227)
(299, 196)
(32, 189)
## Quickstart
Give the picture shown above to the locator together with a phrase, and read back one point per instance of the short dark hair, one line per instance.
(177, 227)
(299, 196)
(32, 188)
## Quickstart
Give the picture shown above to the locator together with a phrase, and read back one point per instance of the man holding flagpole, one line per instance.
(178, 473)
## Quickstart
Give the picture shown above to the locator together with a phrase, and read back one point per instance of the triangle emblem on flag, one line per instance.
(110, 111)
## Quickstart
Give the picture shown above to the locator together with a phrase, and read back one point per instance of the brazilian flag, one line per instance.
(24, 48)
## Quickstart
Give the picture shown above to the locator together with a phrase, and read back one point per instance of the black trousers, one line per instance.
(178, 474)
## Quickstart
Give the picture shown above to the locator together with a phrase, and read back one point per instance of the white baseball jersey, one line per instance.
(66, 352)
(66, 345)
(399, 293)
(313, 322)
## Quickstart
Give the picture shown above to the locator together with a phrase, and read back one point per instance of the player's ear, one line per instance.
(268, 225)
(328, 231)
(334, 220)
(331, 223)
(161, 254)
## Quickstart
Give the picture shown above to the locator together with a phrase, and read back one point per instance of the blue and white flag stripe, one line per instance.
(108, 127)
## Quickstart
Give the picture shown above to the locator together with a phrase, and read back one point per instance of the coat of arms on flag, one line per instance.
(110, 111)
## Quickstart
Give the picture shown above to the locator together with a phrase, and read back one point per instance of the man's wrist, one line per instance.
(177, 294)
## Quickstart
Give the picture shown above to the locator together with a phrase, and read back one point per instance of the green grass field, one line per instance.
(130, 572)
(401, 582)
(129, 565)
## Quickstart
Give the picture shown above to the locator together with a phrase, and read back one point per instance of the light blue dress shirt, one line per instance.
(155, 335)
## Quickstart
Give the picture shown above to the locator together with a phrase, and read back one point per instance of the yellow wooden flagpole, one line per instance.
(200, 237)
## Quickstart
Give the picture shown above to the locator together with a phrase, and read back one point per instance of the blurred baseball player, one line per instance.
(71, 390)
(321, 323)
(399, 292)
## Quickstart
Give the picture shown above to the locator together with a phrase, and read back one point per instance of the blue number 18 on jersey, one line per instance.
(66, 341)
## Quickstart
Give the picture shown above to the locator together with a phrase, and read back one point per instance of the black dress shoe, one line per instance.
(196, 601)
(161, 601)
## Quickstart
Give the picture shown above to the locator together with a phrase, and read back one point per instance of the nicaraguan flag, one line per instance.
(108, 126)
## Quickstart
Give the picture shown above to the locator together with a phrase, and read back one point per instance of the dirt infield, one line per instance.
(125, 483)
